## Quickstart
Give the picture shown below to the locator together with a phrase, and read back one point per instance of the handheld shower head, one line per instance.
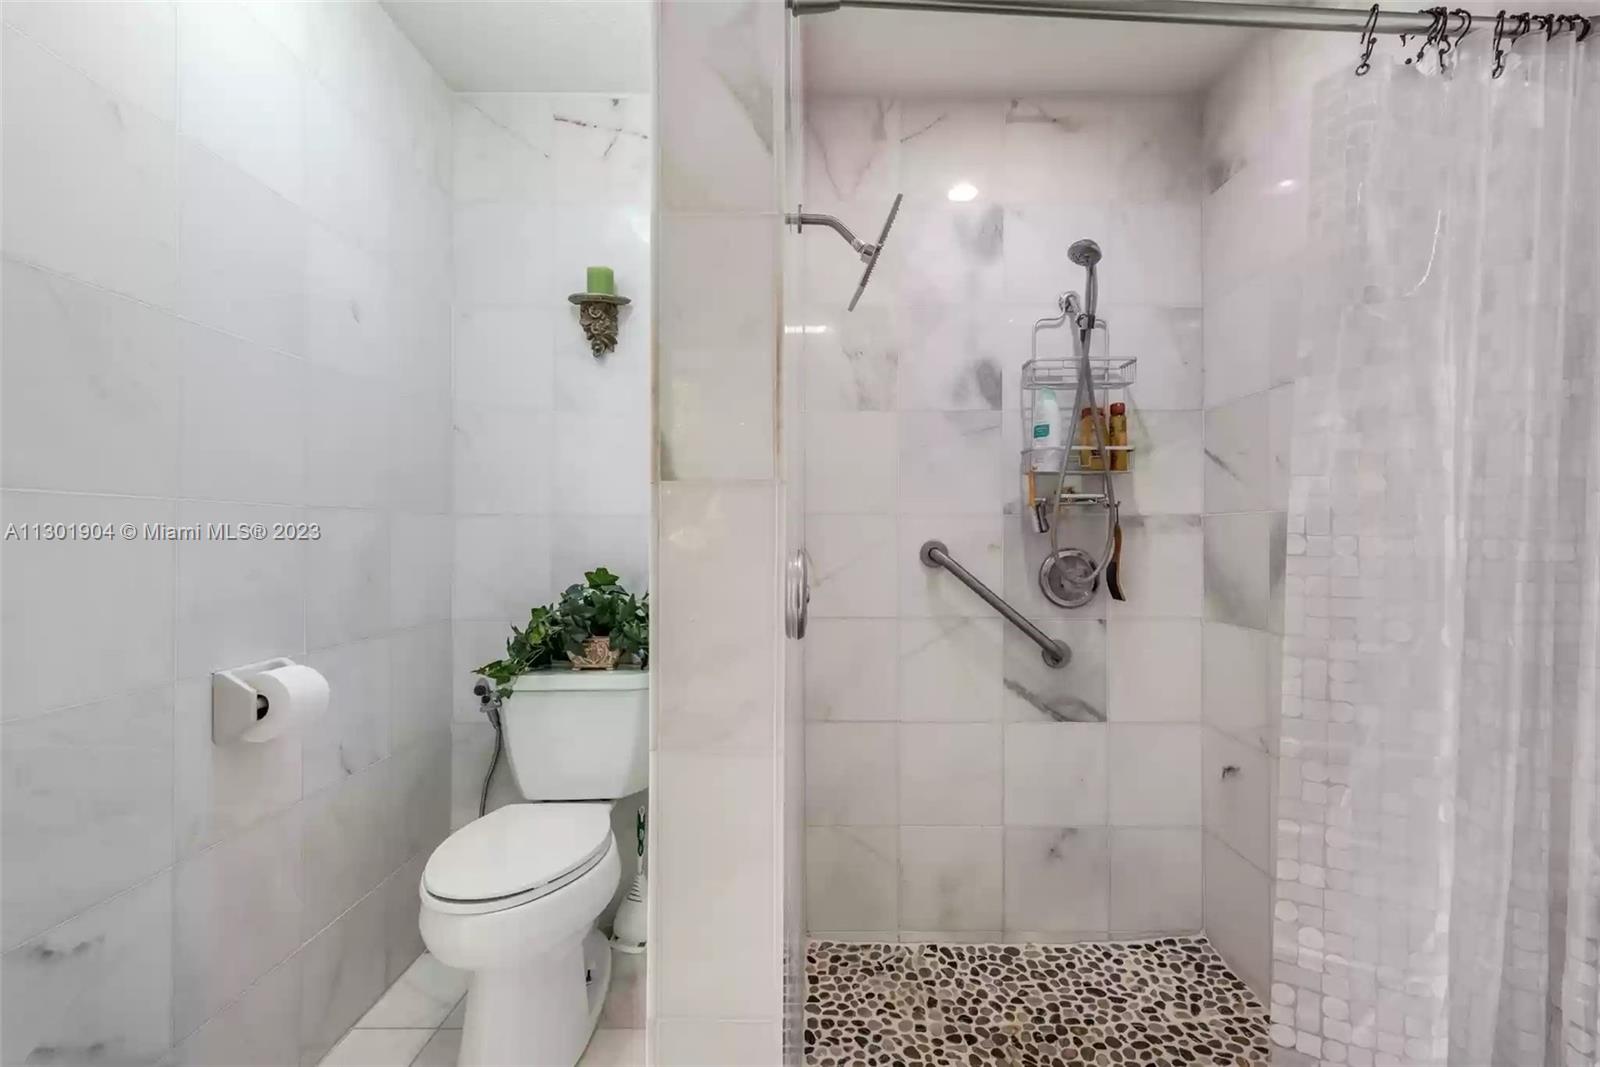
(1086, 254)
(873, 251)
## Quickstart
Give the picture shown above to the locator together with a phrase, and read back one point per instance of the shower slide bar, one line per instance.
(1191, 12)
(1055, 653)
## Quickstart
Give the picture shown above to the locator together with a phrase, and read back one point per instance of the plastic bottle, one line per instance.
(1119, 436)
(1046, 421)
(1091, 460)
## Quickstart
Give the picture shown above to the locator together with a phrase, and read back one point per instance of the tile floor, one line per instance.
(417, 1023)
(1165, 1001)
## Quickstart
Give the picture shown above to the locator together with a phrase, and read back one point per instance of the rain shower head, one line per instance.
(876, 250)
(869, 253)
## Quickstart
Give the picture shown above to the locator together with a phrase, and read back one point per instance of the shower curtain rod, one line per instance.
(1193, 12)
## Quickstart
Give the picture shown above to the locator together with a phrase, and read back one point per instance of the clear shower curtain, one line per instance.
(1437, 898)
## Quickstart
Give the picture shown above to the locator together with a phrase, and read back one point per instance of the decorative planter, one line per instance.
(598, 655)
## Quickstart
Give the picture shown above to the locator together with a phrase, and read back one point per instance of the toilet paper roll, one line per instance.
(295, 695)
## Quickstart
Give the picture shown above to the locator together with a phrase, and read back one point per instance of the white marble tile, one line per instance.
(257, 1030)
(97, 987)
(715, 358)
(421, 683)
(1154, 670)
(1046, 142)
(854, 566)
(951, 877)
(217, 461)
(602, 148)
(1038, 692)
(852, 776)
(377, 1048)
(350, 450)
(239, 601)
(944, 142)
(1251, 223)
(1055, 774)
(352, 186)
(714, 867)
(1280, 429)
(236, 915)
(1057, 879)
(221, 789)
(90, 389)
(719, 134)
(504, 354)
(1167, 342)
(87, 803)
(420, 563)
(1155, 881)
(1154, 148)
(1161, 568)
(239, 94)
(974, 541)
(471, 745)
(353, 733)
(442, 1050)
(618, 445)
(950, 774)
(1238, 796)
(348, 847)
(418, 783)
(354, 321)
(90, 186)
(852, 151)
(617, 384)
(1238, 568)
(502, 253)
(850, 462)
(1237, 117)
(502, 147)
(621, 543)
(401, 911)
(945, 253)
(714, 1043)
(1237, 331)
(347, 576)
(85, 620)
(1154, 772)
(1037, 236)
(852, 670)
(485, 481)
(1238, 909)
(954, 357)
(421, 998)
(624, 1007)
(852, 878)
(950, 463)
(502, 566)
(130, 49)
(417, 436)
(714, 681)
(243, 259)
(1168, 463)
(1155, 253)
(950, 670)
(1237, 697)
(616, 235)
(342, 974)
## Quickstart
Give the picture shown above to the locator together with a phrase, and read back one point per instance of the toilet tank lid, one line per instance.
(567, 680)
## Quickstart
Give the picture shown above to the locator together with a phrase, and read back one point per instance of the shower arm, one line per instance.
(801, 219)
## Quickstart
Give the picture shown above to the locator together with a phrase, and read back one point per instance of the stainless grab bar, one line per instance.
(1055, 653)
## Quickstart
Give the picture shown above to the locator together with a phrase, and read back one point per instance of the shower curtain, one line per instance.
(1437, 898)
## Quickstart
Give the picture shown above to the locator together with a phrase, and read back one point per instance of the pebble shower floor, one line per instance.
(1162, 1002)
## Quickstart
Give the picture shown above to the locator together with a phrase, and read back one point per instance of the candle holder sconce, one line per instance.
(598, 315)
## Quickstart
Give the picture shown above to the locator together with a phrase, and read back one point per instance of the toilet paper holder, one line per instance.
(236, 706)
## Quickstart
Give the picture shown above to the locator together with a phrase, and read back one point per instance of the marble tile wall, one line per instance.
(551, 448)
(1256, 151)
(957, 788)
(719, 913)
(226, 238)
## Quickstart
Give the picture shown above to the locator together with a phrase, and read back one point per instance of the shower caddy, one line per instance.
(1043, 474)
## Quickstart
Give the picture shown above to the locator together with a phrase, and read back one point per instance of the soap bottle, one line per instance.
(1119, 436)
(1090, 460)
(1046, 432)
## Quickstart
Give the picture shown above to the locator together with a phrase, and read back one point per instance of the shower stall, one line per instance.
(1093, 727)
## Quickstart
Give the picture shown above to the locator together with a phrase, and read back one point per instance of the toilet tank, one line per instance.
(579, 735)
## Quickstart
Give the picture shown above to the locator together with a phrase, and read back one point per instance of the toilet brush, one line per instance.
(629, 929)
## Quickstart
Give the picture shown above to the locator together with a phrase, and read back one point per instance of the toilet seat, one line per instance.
(516, 854)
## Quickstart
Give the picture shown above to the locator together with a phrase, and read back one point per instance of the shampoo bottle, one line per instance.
(1046, 421)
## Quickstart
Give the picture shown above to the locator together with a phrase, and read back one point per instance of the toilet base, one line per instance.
(541, 1015)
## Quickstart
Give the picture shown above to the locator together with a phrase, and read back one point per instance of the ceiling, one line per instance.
(594, 46)
(861, 50)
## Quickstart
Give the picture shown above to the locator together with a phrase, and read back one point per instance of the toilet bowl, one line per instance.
(513, 898)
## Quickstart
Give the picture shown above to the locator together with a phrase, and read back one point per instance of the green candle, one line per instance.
(601, 280)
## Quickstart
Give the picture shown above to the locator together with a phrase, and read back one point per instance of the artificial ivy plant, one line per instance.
(598, 607)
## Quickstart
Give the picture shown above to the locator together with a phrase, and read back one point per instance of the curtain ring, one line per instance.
(1369, 38)
(1499, 38)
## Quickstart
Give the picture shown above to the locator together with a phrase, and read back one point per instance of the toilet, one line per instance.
(513, 897)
